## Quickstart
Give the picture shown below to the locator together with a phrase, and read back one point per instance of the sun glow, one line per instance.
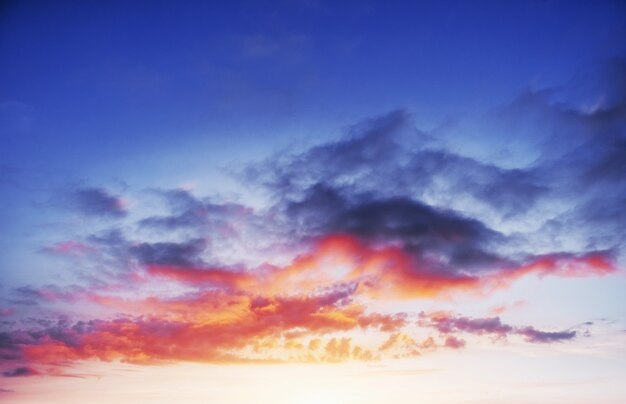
(320, 397)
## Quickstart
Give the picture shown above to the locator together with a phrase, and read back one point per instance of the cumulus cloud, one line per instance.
(388, 156)
(573, 189)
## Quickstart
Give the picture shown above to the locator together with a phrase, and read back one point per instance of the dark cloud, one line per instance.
(445, 323)
(386, 181)
(536, 336)
(30, 296)
(117, 251)
(421, 229)
(9, 346)
(29, 293)
(97, 202)
(511, 191)
(389, 156)
(20, 372)
(583, 159)
(178, 254)
(351, 160)
(109, 238)
(373, 183)
(448, 323)
(411, 221)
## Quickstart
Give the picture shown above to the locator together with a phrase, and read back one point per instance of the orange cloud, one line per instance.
(380, 271)
(208, 327)
(245, 315)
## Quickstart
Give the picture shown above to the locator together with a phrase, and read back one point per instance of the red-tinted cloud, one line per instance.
(454, 342)
(390, 272)
(235, 315)
(70, 248)
(219, 334)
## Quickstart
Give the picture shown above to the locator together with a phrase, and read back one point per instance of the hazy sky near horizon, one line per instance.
(311, 201)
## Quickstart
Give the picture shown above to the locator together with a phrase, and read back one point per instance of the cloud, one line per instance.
(582, 160)
(448, 323)
(395, 259)
(386, 271)
(403, 345)
(6, 311)
(208, 327)
(422, 230)
(231, 312)
(20, 372)
(572, 190)
(224, 324)
(328, 209)
(191, 212)
(445, 324)
(167, 253)
(536, 336)
(454, 342)
(49, 293)
(97, 202)
(388, 212)
(389, 156)
(340, 350)
(70, 248)
(502, 308)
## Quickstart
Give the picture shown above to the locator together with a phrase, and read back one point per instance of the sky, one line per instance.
(303, 202)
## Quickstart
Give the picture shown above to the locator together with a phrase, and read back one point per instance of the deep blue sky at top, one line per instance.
(85, 83)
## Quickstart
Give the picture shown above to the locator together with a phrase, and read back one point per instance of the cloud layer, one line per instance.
(387, 213)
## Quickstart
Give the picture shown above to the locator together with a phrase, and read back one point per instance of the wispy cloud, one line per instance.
(448, 323)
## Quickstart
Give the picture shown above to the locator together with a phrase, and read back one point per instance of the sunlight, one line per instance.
(319, 397)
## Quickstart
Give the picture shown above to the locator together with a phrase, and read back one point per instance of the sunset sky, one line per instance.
(310, 201)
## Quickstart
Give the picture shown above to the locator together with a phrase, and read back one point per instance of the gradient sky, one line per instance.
(310, 201)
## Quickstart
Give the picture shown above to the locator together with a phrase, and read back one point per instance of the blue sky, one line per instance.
(128, 78)
(95, 86)
(439, 173)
